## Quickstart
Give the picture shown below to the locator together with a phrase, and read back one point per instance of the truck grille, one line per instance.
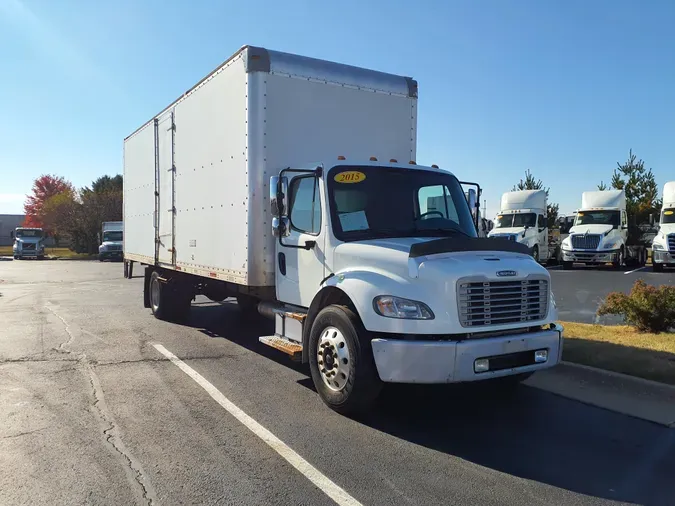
(114, 247)
(28, 246)
(586, 241)
(671, 243)
(502, 302)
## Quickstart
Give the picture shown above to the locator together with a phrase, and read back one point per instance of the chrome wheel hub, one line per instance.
(333, 359)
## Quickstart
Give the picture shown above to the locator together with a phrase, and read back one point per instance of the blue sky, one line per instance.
(563, 88)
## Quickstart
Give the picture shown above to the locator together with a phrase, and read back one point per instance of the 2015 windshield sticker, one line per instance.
(350, 176)
(667, 213)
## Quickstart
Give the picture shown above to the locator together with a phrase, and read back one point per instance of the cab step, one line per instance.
(293, 349)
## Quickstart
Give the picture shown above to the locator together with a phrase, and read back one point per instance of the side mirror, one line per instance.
(651, 219)
(278, 196)
(11, 234)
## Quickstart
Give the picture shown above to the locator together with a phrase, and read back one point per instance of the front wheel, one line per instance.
(535, 253)
(341, 361)
(619, 263)
(567, 265)
(657, 267)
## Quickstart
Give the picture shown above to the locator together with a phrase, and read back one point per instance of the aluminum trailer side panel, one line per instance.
(139, 196)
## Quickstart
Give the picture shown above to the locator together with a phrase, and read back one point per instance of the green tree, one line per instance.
(640, 186)
(530, 183)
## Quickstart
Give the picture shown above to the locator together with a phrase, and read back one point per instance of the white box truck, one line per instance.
(290, 183)
(600, 233)
(663, 245)
(523, 218)
(111, 240)
(28, 243)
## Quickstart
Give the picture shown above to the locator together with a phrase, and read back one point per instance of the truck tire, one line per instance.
(159, 297)
(657, 267)
(567, 265)
(535, 253)
(618, 264)
(341, 361)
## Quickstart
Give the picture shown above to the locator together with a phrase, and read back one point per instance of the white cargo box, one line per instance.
(196, 176)
(607, 199)
(669, 194)
(524, 200)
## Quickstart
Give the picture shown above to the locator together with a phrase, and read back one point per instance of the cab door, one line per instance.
(300, 265)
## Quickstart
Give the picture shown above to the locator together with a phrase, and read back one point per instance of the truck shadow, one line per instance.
(527, 433)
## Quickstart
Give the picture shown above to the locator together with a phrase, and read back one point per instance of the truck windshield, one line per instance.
(612, 218)
(112, 235)
(668, 215)
(375, 202)
(28, 233)
(518, 220)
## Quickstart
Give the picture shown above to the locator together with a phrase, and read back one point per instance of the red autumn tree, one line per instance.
(44, 188)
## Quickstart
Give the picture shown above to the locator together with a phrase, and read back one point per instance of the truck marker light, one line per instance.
(393, 160)
(412, 162)
(341, 157)
(481, 365)
(373, 159)
(434, 166)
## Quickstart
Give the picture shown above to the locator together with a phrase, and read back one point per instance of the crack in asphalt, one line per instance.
(162, 359)
(26, 433)
(113, 439)
(23, 360)
(111, 432)
(62, 346)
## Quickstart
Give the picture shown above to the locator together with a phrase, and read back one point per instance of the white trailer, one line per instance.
(663, 245)
(523, 218)
(290, 183)
(111, 240)
(600, 233)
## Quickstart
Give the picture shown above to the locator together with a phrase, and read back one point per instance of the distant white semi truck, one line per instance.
(290, 183)
(663, 245)
(28, 243)
(600, 233)
(112, 233)
(523, 218)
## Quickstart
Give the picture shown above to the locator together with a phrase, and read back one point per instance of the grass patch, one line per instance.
(621, 349)
(51, 252)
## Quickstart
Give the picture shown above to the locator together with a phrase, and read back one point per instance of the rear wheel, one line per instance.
(158, 297)
(341, 361)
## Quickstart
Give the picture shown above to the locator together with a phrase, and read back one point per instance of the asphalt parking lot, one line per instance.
(579, 293)
(92, 413)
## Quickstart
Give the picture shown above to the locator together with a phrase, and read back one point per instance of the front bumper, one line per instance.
(590, 256)
(401, 361)
(110, 254)
(662, 257)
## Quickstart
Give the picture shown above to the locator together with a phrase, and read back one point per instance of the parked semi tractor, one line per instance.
(601, 234)
(523, 218)
(290, 183)
(28, 243)
(663, 245)
(111, 240)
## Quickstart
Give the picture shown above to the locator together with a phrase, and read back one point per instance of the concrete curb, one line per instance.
(636, 397)
(621, 376)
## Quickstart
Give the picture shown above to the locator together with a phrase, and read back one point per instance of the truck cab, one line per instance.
(522, 218)
(111, 241)
(28, 243)
(600, 232)
(386, 257)
(663, 245)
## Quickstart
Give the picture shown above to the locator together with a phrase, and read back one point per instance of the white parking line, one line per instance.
(310, 472)
(634, 270)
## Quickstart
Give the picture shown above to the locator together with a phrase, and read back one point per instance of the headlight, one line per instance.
(397, 307)
(657, 247)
